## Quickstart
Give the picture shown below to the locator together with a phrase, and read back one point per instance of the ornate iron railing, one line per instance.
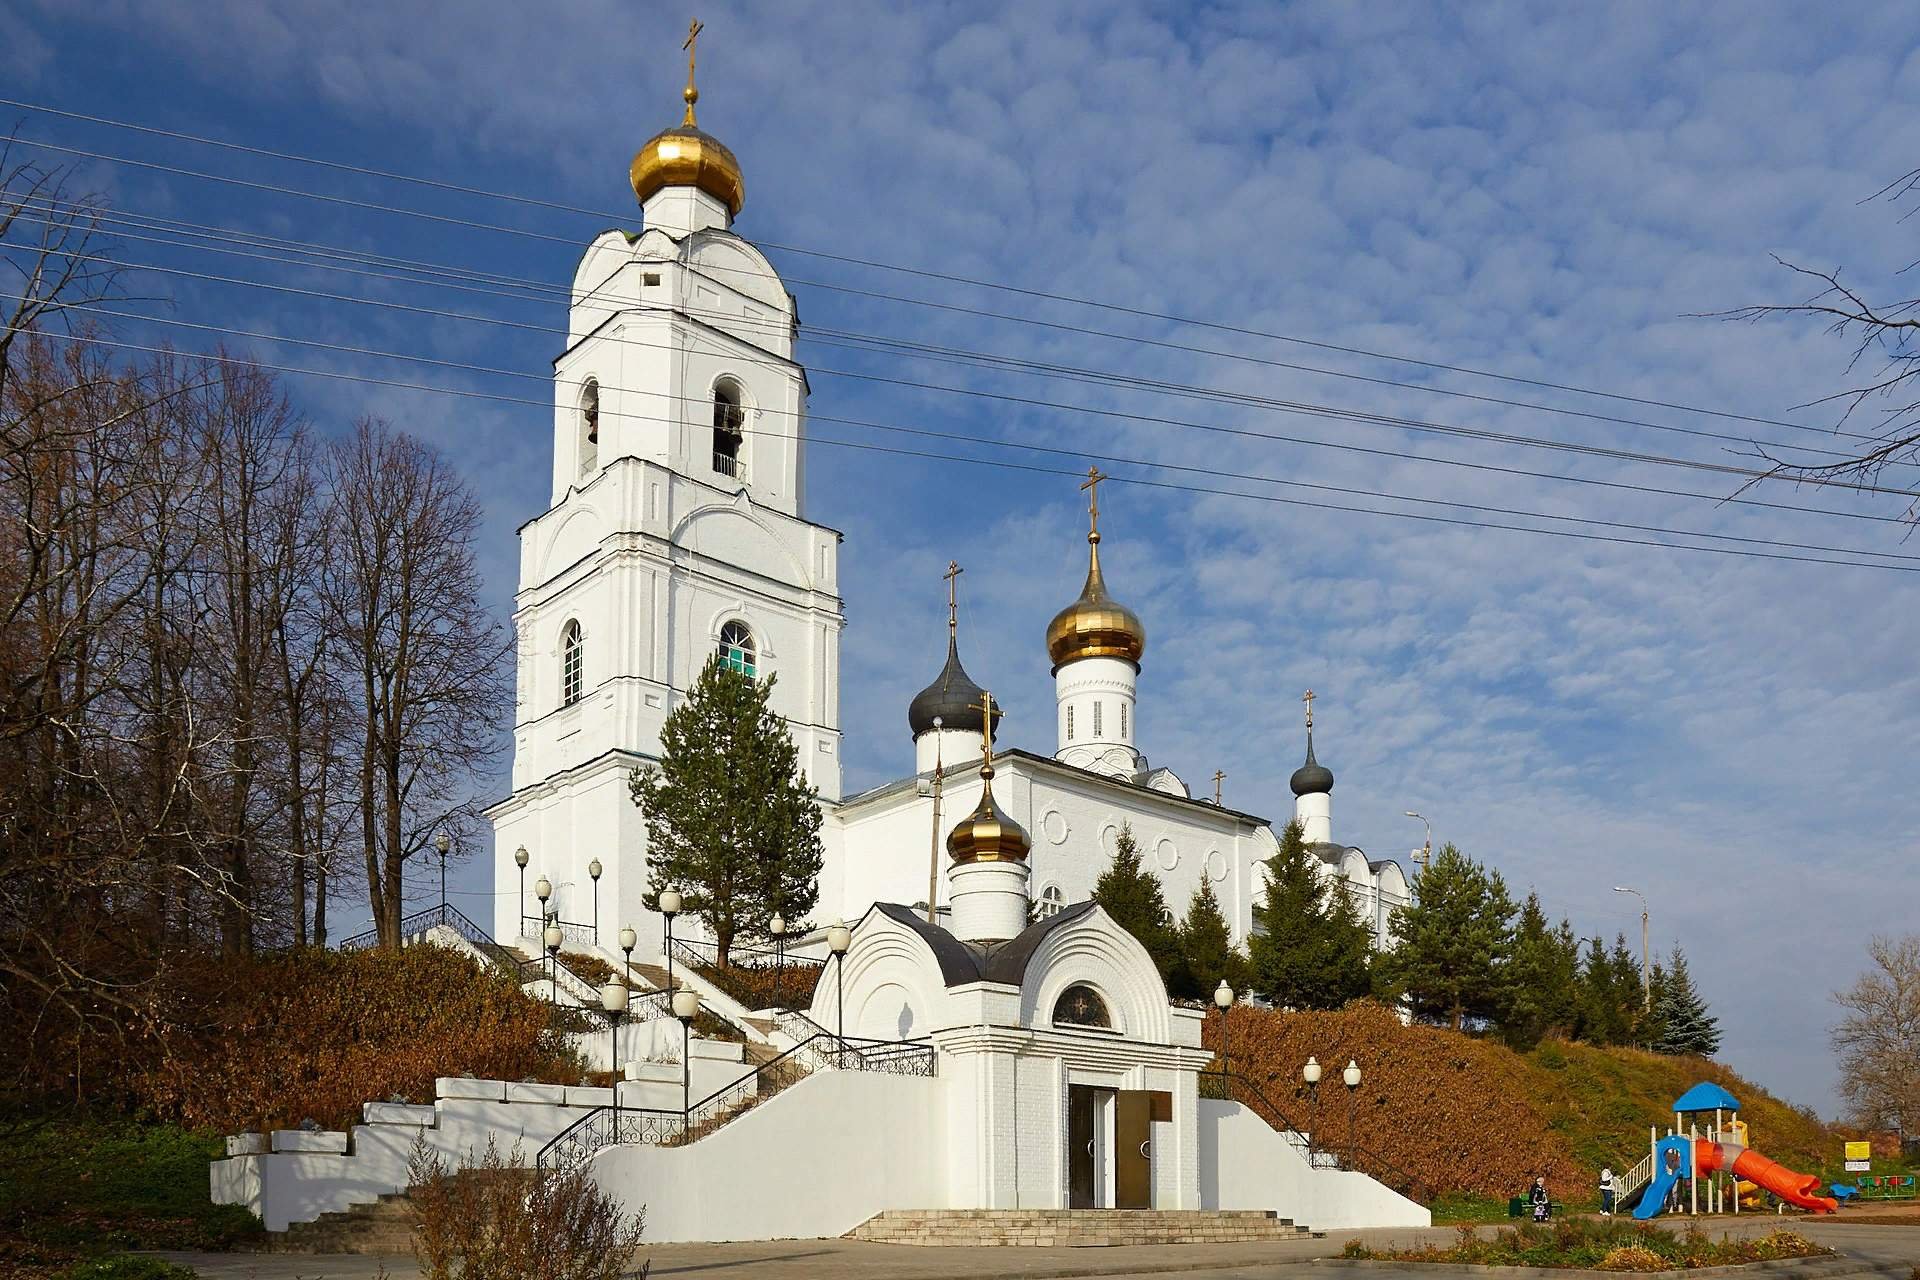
(534, 929)
(756, 977)
(416, 924)
(611, 1126)
(1233, 1087)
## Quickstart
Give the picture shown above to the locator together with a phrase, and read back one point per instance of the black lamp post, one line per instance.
(1223, 1001)
(520, 860)
(593, 873)
(686, 1004)
(778, 928)
(839, 937)
(669, 908)
(613, 1003)
(1351, 1075)
(441, 843)
(1311, 1074)
(553, 964)
(627, 940)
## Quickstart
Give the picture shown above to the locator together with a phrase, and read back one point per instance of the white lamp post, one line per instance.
(839, 938)
(778, 928)
(669, 908)
(1351, 1075)
(628, 940)
(1223, 1001)
(686, 1004)
(520, 857)
(593, 873)
(1311, 1074)
(613, 1002)
(552, 940)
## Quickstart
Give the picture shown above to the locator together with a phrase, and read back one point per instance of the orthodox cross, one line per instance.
(1219, 776)
(1092, 486)
(986, 734)
(692, 95)
(953, 608)
(1308, 699)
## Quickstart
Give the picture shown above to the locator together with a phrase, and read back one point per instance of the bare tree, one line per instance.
(1878, 1042)
(425, 660)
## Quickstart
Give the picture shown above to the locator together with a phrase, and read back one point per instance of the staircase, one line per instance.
(380, 1226)
(1076, 1227)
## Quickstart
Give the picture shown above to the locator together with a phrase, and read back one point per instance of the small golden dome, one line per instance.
(689, 157)
(988, 834)
(1096, 625)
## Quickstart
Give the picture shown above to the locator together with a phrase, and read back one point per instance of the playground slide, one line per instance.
(1671, 1154)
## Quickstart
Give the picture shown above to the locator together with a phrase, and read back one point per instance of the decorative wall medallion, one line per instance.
(1167, 854)
(1216, 865)
(1109, 839)
(1053, 825)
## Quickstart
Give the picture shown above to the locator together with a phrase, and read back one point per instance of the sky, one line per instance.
(1557, 194)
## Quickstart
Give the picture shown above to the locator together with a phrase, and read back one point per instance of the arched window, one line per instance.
(736, 648)
(1051, 900)
(572, 659)
(1081, 1006)
(1096, 718)
(729, 426)
(589, 427)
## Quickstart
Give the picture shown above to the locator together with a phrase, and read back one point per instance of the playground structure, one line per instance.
(1716, 1161)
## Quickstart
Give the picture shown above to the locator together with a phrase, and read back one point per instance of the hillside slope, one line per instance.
(1471, 1117)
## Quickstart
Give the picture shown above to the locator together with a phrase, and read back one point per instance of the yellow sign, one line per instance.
(1859, 1151)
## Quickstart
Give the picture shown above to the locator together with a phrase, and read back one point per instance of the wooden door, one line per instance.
(1082, 1177)
(1133, 1150)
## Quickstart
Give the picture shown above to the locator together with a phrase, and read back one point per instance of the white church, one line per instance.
(984, 1058)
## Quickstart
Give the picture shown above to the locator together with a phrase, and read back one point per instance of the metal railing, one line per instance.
(729, 465)
(534, 929)
(1351, 1157)
(616, 1126)
(416, 925)
(755, 976)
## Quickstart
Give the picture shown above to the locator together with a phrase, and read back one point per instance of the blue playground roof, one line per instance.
(1706, 1097)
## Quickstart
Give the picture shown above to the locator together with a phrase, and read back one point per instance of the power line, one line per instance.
(1303, 408)
(1045, 470)
(945, 277)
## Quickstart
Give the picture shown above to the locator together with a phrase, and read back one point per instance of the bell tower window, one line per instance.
(590, 427)
(572, 663)
(736, 649)
(729, 426)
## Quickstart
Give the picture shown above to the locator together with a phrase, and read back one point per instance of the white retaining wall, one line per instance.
(1246, 1164)
(811, 1163)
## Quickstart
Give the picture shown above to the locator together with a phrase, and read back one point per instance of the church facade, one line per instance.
(677, 529)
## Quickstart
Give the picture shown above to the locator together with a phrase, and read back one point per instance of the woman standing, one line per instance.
(1542, 1206)
(1606, 1192)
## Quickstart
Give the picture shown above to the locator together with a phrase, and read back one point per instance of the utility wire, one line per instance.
(945, 277)
(1058, 471)
(1303, 408)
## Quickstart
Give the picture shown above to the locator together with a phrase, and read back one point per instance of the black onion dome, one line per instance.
(953, 698)
(1311, 778)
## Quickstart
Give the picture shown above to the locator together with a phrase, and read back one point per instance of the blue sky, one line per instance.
(1550, 192)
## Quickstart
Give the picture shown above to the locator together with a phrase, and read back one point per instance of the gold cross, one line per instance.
(953, 608)
(986, 735)
(1092, 485)
(1219, 776)
(1308, 699)
(692, 95)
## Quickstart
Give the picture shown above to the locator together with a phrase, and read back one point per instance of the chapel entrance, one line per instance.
(1109, 1147)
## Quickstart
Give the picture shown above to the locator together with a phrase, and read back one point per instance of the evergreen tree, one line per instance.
(1309, 949)
(1632, 993)
(1606, 1011)
(1543, 985)
(731, 823)
(1686, 1026)
(1207, 953)
(1131, 895)
(1453, 943)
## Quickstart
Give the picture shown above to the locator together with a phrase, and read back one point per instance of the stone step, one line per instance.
(1076, 1227)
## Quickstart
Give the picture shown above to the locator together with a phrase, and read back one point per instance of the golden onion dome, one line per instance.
(689, 157)
(1096, 625)
(988, 834)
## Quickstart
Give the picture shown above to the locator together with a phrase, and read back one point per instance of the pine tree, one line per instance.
(1131, 895)
(1606, 1012)
(731, 823)
(1542, 996)
(1686, 1026)
(1309, 950)
(1453, 943)
(1207, 953)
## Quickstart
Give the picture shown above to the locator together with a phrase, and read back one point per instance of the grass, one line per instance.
(78, 1190)
(1451, 1209)
(1583, 1244)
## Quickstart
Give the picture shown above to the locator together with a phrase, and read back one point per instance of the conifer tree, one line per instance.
(1606, 1011)
(1686, 1026)
(1453, 943)
(1207, 953)
(731, 823)
(1131, 895)
(1309, 949)
(1542, 991)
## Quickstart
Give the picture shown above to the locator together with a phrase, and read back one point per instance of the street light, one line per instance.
(778, 928)
(686, 1004)
(628, 939)
(1424, 854)
(1646, 973)
(613, 1002)
(669, 907)
(520, 860)
(839, 937)
(593, 873)
(1223, 1001)
(553, 963)
(1352, 1077)
(441, 843)
(1311, 1074)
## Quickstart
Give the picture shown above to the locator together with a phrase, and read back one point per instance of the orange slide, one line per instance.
(1794, 1188)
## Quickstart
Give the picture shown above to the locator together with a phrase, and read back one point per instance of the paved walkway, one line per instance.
(1890, 1249)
